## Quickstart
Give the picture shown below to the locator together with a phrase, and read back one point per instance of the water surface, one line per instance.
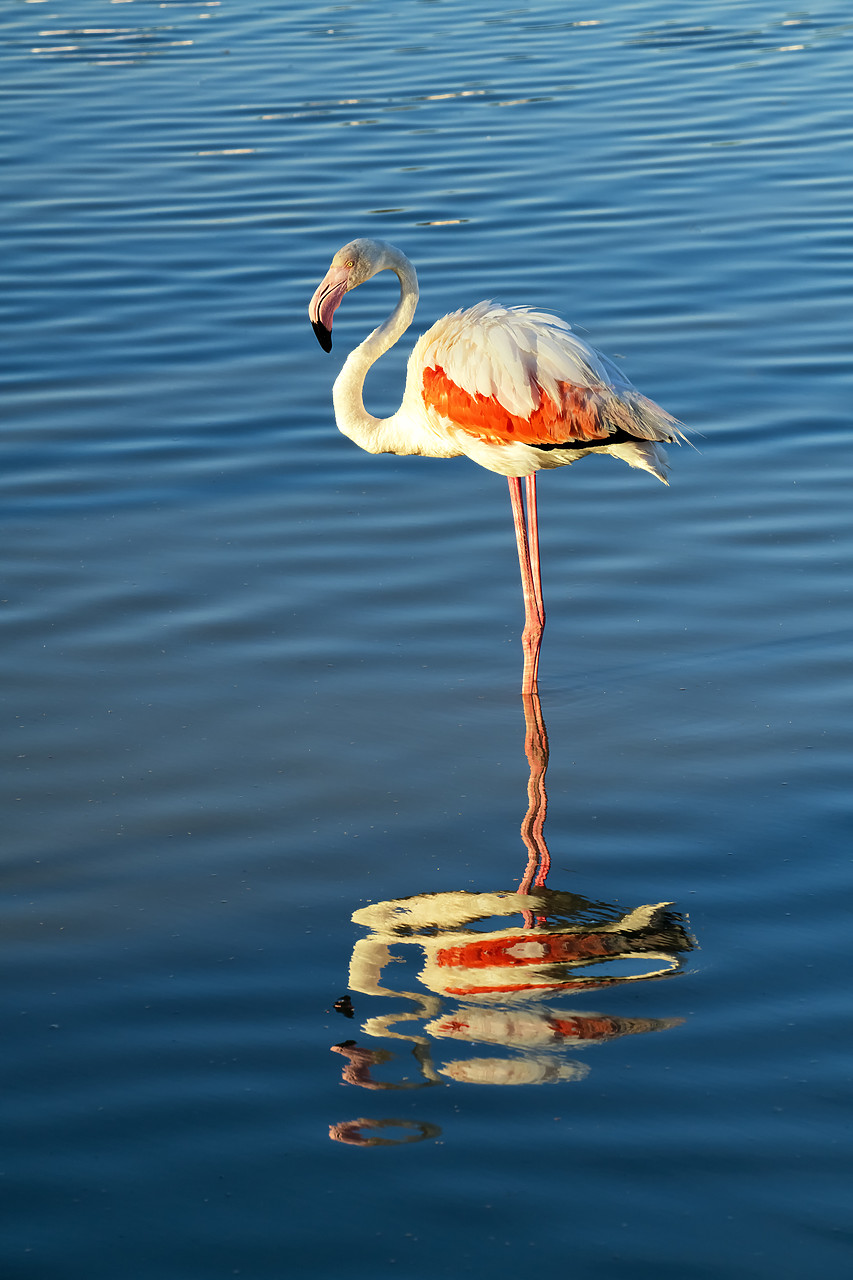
(263, 738)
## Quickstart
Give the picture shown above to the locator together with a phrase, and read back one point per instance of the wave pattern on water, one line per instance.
(262, 685)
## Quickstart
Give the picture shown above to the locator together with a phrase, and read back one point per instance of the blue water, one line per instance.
(259, 683)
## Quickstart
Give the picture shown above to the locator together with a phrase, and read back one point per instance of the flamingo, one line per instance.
(512, 388)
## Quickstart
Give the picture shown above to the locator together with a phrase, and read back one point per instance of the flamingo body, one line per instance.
(512, 388)
(494, 378)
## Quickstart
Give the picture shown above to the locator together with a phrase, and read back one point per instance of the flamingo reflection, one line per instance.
(493, 969)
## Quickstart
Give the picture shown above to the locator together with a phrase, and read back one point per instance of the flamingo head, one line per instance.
(351, 266)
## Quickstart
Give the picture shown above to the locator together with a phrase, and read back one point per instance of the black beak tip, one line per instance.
(324, 335)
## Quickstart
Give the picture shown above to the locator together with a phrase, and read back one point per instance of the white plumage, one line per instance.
(512, 388)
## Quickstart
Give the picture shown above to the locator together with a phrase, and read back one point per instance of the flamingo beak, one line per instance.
(325, 303)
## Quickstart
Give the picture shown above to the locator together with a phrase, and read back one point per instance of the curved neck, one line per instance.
(351, 416)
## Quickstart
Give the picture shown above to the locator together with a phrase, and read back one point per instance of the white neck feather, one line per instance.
(376, 435)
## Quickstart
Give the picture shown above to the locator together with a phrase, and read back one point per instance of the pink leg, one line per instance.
(534, 612)
(533, 542)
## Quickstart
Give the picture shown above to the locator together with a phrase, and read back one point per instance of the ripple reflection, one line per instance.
(491, 967)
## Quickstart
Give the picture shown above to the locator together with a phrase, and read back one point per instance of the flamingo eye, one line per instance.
(349, 264)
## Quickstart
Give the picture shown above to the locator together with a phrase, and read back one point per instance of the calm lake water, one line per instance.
(266, 762)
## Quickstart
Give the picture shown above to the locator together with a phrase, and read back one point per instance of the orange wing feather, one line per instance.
(578, 416)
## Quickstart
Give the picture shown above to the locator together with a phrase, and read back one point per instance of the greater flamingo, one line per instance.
(512, 388)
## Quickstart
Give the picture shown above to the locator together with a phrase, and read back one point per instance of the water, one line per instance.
(259, 684)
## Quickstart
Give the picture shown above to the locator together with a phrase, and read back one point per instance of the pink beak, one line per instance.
(325, 303)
